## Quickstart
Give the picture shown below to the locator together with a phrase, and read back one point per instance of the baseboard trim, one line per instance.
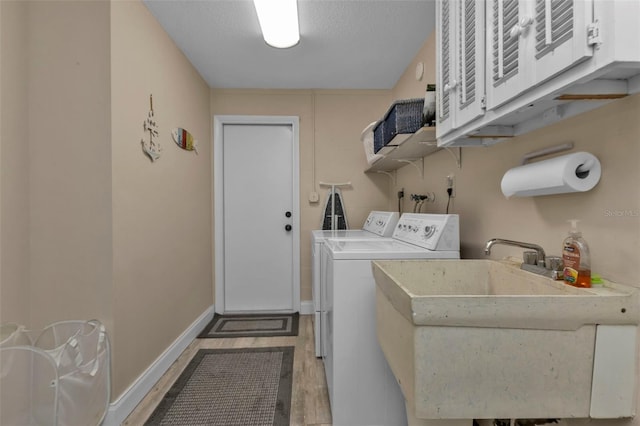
(306, 307)
(120, 409)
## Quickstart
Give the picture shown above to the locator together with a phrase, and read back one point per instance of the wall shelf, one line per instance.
(405, 146)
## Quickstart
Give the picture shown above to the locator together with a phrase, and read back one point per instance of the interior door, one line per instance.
(258, 251)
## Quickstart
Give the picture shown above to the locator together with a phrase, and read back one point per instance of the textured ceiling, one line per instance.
(344, 44)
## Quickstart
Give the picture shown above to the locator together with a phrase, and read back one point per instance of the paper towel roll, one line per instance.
(554, 176)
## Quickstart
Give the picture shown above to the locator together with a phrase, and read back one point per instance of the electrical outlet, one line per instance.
(451, 183)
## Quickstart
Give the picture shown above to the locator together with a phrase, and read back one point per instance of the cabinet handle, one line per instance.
(450, 86)
(520, 26)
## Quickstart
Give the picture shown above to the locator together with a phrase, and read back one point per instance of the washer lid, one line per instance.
(381, 249)
(319, 235)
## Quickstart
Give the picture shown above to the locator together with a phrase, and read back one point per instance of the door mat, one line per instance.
(251, 325)
(225, 387)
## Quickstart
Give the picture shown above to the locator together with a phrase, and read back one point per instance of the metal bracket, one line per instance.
(546, 151)
(414, 163)
(457, 158)
(593, 33)
(391, 175)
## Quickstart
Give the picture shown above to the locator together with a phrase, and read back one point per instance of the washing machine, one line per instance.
(379, 224)
(362, 388)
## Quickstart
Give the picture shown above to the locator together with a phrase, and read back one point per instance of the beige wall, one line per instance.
(69, 161)
(330, 126)
(408, 86)
(162, 257)
(14, 164)
(56, 221)
(90, 228)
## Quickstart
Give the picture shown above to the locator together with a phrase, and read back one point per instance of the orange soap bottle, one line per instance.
(576, 259)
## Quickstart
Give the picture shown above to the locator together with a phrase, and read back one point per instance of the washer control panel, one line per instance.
(381, 223)
(430, 231)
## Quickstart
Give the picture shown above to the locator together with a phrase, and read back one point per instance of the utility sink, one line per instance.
(483, 339)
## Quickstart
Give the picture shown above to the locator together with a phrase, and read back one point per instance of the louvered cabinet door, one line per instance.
(460, 58)
(470, 61)
(560, 36)
(509, 37)
(446, 81)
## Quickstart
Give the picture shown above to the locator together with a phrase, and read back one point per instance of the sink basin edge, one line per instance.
(432, 293)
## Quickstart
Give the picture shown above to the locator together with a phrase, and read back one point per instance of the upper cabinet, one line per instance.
(530, 42)
(460, 60)
(535, 62)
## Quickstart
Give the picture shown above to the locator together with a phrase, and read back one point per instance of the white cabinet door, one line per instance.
(531, 41)
(460, 62)
(470, 92)
(560, 36)
(445, 65)
(508, 33)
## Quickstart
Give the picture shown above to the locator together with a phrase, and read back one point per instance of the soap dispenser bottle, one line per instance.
(576, 259)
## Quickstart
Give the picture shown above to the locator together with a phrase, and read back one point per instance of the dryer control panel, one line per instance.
(430, 231)
(381, 223)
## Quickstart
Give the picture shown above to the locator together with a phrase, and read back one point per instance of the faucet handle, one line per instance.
(530, 257)
(554, 263)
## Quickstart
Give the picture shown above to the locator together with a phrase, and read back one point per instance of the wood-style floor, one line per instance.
(309, 399)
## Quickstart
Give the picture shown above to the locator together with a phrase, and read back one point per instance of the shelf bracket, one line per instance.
(392, 175)
(418, 163)
(457, 158)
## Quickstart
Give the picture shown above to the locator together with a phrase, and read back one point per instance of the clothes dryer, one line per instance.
(379, 224)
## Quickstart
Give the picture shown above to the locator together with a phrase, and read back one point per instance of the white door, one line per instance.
(257, 219)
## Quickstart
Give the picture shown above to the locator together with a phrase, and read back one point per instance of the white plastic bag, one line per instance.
(61, 377)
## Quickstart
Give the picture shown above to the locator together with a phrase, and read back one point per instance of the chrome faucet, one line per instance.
(540, 254)
(549, 266)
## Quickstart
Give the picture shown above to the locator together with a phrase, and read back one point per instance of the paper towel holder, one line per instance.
(581, 172)
(546, 151)
(576, 172)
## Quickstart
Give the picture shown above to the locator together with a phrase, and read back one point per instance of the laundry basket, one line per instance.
(404, 116)
(60, 377)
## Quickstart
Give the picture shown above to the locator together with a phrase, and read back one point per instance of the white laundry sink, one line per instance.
(473, 339)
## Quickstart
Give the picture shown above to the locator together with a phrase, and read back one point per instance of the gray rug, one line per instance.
(226, 387)
(251, 325)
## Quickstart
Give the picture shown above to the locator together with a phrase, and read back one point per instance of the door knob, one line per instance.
(287, 228)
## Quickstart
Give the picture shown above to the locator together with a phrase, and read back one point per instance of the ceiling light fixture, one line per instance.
(279, 22)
